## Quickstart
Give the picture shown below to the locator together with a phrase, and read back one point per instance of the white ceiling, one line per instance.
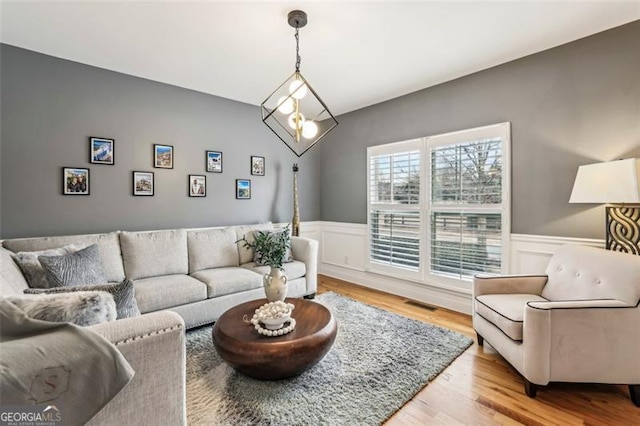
(354, 54)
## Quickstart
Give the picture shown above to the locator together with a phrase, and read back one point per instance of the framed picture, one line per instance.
(243, 189)
(197, 186)
(257, 166)
(143, 183)
(75, 181)
(101, 150)
(214, 162)
(163, 156)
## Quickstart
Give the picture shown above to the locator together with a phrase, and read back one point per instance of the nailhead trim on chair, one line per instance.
(144, 336)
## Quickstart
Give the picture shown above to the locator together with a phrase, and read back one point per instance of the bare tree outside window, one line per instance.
(468, 173)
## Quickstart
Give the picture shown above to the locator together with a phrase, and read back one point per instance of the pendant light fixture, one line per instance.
(294, 111)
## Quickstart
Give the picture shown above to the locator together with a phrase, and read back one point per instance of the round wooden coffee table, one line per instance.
(273, 358)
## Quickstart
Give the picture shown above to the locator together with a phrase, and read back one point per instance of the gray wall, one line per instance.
(572, 105)
(51, 106)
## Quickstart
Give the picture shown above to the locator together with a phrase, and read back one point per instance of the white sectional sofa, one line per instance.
(197, 273)
(182, 279)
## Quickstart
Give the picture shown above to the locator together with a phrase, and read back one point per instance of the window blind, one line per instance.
(466, 202)
(394, 222)
(395, 238)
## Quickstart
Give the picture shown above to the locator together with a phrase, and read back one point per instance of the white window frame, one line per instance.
(424, 276)
(388, 149)
(503, 131)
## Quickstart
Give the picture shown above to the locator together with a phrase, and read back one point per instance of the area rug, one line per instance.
(378, 362)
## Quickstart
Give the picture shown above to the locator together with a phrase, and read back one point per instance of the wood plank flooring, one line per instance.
(481, 388)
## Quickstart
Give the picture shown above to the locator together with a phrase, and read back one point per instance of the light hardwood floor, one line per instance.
(481, 388)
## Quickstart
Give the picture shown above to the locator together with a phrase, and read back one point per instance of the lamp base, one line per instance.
(623, 229)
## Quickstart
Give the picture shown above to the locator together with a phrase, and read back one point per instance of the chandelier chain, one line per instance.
(297, 51)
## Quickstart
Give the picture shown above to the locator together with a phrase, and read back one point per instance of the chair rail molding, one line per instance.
(343, 255)
(530, 254)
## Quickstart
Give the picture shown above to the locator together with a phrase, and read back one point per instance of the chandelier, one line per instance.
(294, 111)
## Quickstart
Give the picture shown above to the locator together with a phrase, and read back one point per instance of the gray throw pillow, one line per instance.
(83, 267)
(31, 267)
(80, 308)
(123, 293)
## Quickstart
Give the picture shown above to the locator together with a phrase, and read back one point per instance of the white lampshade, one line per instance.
(298, 89)
(610, 182)
(286, 105)
(309, 129)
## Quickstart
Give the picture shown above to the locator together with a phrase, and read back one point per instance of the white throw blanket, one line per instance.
(59, 364)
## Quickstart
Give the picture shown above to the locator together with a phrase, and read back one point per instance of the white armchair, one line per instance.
(578, 323)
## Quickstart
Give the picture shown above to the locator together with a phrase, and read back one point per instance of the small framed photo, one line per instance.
(75, 181)
(257, 166)
(101, 150)
(214, 162)
(243, 189)
(143, 183)
(163, 156)
(197, 186)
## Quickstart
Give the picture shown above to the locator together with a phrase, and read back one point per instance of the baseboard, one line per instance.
(456, 301)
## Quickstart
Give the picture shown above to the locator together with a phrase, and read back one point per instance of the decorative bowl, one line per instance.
(275, 323)
(273, 315)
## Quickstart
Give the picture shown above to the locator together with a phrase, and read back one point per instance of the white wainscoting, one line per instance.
(531, 253)
(343, 255)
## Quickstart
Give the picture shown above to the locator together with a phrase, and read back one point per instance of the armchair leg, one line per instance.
(634, 392)
(480, 339)
(530, 388)
(310, 296)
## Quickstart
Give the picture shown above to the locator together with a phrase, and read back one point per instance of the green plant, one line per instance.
(272, 248)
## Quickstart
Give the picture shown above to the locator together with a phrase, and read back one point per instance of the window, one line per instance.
(394, 205)
(455, 224)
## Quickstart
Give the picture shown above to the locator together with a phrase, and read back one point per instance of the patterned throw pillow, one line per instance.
(83, 267)
(31, 267)
(123, 293)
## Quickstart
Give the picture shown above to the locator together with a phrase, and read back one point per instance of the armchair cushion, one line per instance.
(505, 311)
(583, 273)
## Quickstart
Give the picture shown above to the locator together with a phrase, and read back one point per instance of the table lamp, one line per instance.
(616, 183)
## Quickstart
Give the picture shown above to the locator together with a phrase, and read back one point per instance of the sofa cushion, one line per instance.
(505, 311)
(222, 281)
(123, 294)
(584, 273)
(83, 267)
(32, 268)
(154, 254)
(292, 270)
(108, 244)
(212, 248)
(156, 293)
(12, 280)
(246, 231)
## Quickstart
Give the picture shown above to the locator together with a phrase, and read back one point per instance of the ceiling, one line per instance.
(354, 54)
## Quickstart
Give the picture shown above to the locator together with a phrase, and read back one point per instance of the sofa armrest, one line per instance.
(306, 250)
(154, 345)
(509, 284)
(581, 341)
(579, 304)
